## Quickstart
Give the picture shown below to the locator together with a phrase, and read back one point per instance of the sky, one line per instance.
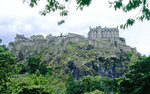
(17, 17)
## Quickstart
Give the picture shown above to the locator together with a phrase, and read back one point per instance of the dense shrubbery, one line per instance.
(35, 83)
(7, 67)
(35, 66)
(32, 84)
(87, 84)
(138, 79)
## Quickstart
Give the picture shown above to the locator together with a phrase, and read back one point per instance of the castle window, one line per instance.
(115, 43)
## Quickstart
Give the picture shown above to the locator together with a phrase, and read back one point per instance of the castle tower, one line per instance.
(106, 34)
(99, 33)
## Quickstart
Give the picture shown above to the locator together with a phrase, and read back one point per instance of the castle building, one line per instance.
(106, 34)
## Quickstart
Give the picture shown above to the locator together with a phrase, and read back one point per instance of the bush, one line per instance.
(7, 67)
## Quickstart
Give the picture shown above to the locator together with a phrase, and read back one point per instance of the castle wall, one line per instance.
(104, 45)
(124, 47)
(37, 37)
(98, 44)
(28, 45)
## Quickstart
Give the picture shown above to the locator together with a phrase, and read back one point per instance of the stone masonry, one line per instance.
(106, 34)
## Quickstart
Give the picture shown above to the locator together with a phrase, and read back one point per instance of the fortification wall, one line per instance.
(37, 43)
(36, 37)
(99, 44)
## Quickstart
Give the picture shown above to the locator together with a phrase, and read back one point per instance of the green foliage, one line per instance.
(133, 58)
(42, 52)
(87, 84)
(136, 81)
(37, 72)
(7, 67)
(61, 22)
(110, 85)
(33, 90)
(130, 54)
(78, 51)
(11, 43)
(95, 92)
(71, 46)
(34, 64)
(72, 86)
(129, 22)
(118, 4)
(32, 3)
(91, 83)
(33, 84)
(82, 3)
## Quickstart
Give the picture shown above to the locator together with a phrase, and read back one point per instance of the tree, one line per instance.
(33, 64)
(87, 84)
(36, 66)
(30, 84)
(7, 67)
(62, 7)
(73, 86)
(138, 79)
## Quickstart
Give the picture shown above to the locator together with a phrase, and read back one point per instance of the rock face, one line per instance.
(72, 52)
(111, 67)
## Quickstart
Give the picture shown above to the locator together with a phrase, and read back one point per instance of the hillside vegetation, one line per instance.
(74, 67)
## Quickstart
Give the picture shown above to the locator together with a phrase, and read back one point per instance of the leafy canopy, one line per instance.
(7, 67)
(138, 79)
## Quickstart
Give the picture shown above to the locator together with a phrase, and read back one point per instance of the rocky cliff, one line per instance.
(72, 52)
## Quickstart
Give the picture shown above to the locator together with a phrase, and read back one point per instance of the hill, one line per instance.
(75, 53)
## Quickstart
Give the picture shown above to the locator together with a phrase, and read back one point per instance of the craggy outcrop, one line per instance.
(76, 54)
